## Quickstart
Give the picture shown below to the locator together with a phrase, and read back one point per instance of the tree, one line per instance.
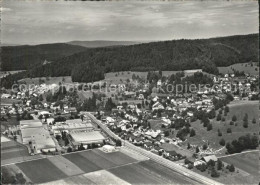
(245, 117)
(197, 149)
(205, 146)
(40, 97)
(223, 119)
(219, 164)
(118, 142)
(231, 123)
(166, 133)
(253, 120)
(192, 133)
(209, 127)
(222, 142)
(245, 123)
(219, 133)
(231, 168)
(229, 130)
(234, 118)
(214, 173)
(226, 109)
(188, 146)
(69, 150)
(218, 117)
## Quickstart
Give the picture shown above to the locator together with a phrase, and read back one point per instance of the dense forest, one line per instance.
(208, 54)
(26, 57)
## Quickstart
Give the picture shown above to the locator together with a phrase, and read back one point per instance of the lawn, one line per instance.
(238, 109)
(246, 67)
(40, 171)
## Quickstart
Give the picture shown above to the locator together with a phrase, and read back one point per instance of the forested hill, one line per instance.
(102, 43)
(91, 64)
(26, 57)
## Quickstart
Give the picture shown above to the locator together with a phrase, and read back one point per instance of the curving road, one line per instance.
(180, 169)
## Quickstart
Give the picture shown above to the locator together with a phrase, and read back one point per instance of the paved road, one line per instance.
(180, 169)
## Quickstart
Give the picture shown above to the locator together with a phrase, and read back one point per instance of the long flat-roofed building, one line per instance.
(86, 137)
(33, 132)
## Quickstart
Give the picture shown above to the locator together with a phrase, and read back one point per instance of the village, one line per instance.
(158, 122)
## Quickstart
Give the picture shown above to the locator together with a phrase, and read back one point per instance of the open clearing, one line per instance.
(246, 67)
(47, 80)
(236, 108)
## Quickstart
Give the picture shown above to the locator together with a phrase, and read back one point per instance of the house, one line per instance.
(4, 96)
(108, 148)
(148, 145)
(157, 106)
(129, 94)
(198, 162)
(169, 153)
(70, 110)
(210, 157)
(141, 97)
(236, 98)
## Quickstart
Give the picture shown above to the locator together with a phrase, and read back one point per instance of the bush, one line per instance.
(69, 150)
(231, 123)
(214, 173)
(205, 146)
(253, 120)
(229, 130)
(231, 168)
(223, 119)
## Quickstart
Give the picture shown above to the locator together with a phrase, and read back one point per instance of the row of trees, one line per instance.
(243, 143)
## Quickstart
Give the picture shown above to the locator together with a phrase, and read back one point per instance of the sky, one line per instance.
(36, 22)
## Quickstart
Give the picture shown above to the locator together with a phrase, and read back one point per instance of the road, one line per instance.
(177, 168)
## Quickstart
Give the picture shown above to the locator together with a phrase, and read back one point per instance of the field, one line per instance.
(246, 67)
(246, 169)
(247, 162)
(97, 167)
(237, 108)
(148, 172)
(12, 151)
